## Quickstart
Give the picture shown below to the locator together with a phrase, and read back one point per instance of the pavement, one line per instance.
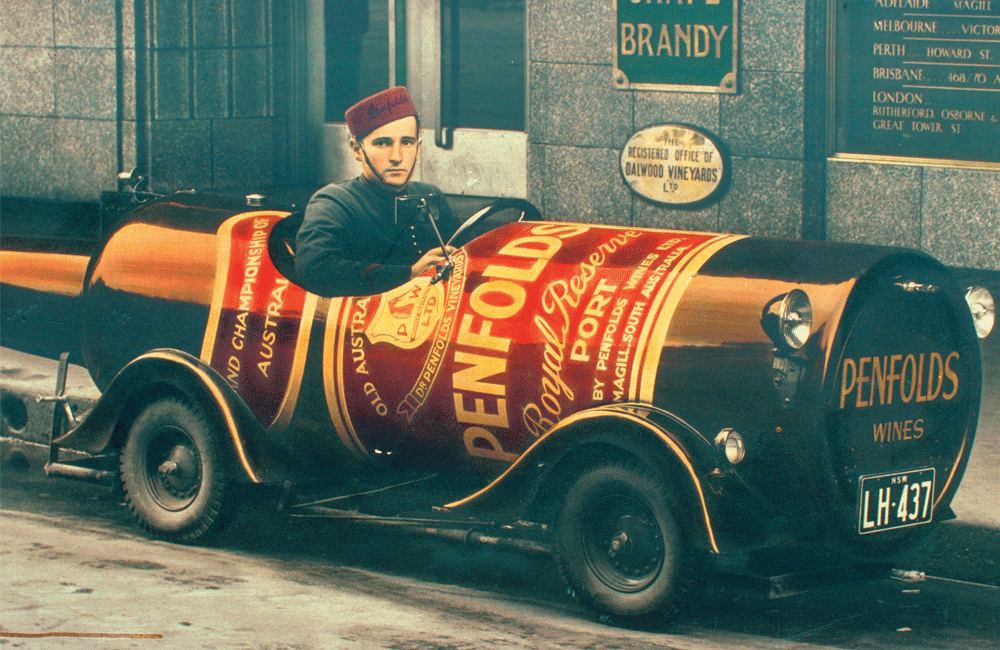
(71, 581)
(24, 377)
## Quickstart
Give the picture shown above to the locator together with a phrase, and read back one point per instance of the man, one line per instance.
(356, 239)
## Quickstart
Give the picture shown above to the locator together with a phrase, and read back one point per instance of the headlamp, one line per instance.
(787, 319)
(730, 446)
(983, 310)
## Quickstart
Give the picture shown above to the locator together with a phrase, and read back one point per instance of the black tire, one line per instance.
(173, 473)
(621, 548)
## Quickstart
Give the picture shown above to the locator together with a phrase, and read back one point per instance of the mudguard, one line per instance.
(164, 371)
(631, 428)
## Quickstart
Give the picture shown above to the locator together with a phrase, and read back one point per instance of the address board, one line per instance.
(919, 79)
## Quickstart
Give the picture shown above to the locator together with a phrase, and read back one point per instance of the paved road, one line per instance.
(72, 563)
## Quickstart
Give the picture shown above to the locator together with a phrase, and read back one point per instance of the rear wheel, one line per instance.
(621, 547)
(173, 472)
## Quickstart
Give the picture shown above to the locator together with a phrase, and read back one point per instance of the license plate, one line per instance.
(889, 501)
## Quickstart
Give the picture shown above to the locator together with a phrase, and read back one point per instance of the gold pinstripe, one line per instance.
(954, 469)
(647, 358)
(291, 397)
(333, 373)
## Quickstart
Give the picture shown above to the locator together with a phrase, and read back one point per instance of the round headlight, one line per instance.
(729, 444)
(796, 318)
(983, 310)
(788, 320)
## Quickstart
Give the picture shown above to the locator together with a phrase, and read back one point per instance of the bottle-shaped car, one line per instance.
(643, 403)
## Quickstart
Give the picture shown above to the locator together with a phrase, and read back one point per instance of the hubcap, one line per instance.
(623, 544)
(173, 468)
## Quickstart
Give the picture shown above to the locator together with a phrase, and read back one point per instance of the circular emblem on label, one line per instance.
(673, 164)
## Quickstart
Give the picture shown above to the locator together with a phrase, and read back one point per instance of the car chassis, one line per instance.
(632, 401)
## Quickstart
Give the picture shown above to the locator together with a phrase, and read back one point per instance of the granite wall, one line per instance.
(195, 97)
(59, 103)
(953, 214)
(578, 122)
(783, 184)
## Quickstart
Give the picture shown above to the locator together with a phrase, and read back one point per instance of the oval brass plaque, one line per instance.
(673, 164)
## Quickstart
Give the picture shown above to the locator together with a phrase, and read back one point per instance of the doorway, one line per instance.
(463, 62)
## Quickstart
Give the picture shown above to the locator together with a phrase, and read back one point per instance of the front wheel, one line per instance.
(621, 547)
(173, 472)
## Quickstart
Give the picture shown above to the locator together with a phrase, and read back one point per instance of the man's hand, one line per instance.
(430, 259)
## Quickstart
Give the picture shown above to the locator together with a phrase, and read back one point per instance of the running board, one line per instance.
(464, 532)
(790, 584)
(80, 473)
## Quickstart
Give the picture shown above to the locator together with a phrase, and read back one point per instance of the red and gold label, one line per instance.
(259, 323)
(536, 322)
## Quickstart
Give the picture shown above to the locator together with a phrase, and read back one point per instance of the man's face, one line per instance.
(391, 151)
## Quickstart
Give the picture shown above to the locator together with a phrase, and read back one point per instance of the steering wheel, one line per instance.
(528, 213)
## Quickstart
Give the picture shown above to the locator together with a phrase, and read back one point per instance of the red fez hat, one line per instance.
(378, 110)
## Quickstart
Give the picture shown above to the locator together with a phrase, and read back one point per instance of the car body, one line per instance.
(639, 400)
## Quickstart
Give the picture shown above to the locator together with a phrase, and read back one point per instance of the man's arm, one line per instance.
(429, 260)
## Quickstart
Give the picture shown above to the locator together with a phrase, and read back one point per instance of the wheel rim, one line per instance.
(172, 468)
(622, 543)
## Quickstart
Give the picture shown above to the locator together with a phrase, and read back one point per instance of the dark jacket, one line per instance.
(356, 239)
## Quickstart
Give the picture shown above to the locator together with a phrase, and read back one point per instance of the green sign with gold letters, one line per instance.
(679, 45)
